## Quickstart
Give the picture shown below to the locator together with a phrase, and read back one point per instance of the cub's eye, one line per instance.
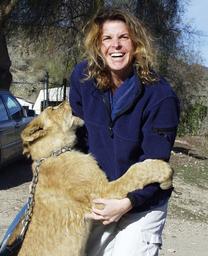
(54, 107)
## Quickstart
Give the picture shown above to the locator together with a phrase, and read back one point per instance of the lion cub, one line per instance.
(69, 182)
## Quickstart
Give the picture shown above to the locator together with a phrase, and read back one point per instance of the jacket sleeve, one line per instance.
(75, 98)
(75, 101)
(159, 131)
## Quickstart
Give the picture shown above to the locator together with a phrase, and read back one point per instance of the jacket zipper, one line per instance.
(162, 130)
(110, 125)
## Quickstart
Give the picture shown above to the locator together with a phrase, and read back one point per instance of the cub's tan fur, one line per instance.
(68, 183)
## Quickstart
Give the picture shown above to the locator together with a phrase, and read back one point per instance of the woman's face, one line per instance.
(117, 47)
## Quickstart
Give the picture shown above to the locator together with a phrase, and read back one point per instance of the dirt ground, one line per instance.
(186, 230)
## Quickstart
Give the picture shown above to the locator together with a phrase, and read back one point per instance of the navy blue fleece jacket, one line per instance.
(138, 122)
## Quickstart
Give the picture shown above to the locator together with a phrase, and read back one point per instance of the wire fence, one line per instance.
(50, 94)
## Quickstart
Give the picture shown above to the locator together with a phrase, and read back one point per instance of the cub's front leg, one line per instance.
(139, 175)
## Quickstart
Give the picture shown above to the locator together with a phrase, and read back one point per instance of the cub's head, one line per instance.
(54, 128)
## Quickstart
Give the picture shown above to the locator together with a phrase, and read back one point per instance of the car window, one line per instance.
(12, 105)
(3, 113)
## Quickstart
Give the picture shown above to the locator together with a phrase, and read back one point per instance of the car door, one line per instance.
(7, 134)
(17, 124)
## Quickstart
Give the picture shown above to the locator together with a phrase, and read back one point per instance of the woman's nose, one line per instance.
(116, 43)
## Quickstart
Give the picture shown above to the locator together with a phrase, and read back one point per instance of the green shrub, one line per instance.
(191, 119)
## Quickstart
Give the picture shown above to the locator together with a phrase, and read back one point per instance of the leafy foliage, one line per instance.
(192, 118)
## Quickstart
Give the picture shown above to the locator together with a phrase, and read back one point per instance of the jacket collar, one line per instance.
(123, 98)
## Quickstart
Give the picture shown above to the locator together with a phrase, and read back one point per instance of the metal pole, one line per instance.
(44, 95)
(64, 87)
(46, 88)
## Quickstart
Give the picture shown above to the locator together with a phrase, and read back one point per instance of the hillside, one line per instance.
(31, 61)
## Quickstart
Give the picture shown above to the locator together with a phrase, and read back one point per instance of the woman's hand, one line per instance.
(113, 210)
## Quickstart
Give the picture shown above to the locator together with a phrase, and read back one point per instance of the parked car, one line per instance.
(13, 119)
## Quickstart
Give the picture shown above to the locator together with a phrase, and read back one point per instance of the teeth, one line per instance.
(117, 54)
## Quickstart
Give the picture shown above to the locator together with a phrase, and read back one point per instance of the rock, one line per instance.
(171, 250)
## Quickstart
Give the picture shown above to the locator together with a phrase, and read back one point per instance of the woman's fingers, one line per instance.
(93, 216)
(112, 211)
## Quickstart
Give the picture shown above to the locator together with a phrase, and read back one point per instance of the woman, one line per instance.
(131, 114)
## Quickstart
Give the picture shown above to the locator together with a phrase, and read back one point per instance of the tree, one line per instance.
(62, 21)
(6, 8)
(162, 18)
(55, 25)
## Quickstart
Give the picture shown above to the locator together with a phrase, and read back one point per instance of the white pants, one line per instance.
(136, 234)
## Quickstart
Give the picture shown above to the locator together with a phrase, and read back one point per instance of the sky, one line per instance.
(197, 15)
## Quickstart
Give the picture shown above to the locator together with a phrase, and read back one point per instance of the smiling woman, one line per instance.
(117, 50)
(130, 114)
(130, 33)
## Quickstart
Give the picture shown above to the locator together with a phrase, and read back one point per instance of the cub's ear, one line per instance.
(33, 131)
(77, 122)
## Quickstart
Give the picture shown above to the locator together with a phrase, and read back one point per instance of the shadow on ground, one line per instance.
(15, 174)
(189, 152)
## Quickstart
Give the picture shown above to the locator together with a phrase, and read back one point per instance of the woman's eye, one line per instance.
(106, 38)
(125, 37)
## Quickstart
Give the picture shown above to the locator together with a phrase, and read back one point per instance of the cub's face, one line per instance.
(52, 129)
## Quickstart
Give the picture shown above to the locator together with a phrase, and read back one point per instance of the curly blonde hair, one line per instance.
(143, 55)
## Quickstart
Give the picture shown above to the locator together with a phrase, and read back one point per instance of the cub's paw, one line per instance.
(166, 184)
(166, 181)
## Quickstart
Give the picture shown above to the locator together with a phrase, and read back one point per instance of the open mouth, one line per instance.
(117, 55)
